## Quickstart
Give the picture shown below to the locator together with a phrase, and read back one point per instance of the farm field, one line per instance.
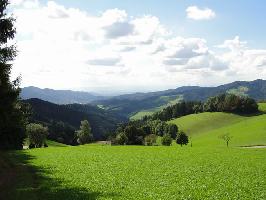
(139, 172)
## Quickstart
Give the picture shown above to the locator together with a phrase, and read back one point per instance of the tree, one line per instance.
(121, 139)
(84, 135)
(172, 130)
(37, 135)
(135, 135)
(150, 140)
(226, 137)
(12, 112)
(160, 128)
(166, 140)
(182, 138)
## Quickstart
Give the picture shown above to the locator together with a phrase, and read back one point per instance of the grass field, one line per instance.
(205, 128)
(207, 170)
(139, 172)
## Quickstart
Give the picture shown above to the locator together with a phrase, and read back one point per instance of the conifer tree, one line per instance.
(12, 118)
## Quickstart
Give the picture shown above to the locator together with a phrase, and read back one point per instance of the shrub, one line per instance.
(166, 140)
(150, 140)
(182, 138)
(121, 139)
(37, 134)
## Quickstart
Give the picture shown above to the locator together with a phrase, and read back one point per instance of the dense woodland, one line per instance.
(63, 120)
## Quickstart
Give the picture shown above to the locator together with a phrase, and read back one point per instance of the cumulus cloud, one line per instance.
(119, 29)
(112, 50)
(195, 13)
(105, 61)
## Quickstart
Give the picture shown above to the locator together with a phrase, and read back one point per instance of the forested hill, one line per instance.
(131, 104)
(70, 115)
(154, 101)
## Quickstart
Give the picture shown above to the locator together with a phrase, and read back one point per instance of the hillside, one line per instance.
(205, 128)
(101, 121)
(137, 105)
(59, 96)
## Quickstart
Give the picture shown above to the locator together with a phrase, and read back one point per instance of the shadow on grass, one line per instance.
(249, 115)
(20, 180)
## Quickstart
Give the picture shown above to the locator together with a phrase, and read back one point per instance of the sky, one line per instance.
(124, 46)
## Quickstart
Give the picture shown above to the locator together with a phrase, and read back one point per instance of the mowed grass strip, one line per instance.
(139, 172)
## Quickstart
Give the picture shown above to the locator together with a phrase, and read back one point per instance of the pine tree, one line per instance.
(12, 120)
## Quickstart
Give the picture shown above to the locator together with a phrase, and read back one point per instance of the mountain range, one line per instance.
(129, 105)
(59, 96)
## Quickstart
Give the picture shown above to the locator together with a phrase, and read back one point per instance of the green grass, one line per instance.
(207, 170)
(139, 172)
(200, 123)
(205, 128)
(51, 143)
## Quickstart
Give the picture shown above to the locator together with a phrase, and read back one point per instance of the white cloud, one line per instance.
(195, 13)
(63, 47)
(111, 61)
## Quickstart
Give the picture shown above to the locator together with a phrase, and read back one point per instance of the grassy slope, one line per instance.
(137, 172)
(205, 128)
(51, 143)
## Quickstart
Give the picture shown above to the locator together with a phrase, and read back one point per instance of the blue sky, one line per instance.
(126, 46)
(245, 18)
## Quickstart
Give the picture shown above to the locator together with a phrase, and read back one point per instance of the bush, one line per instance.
(166, 140)
(37, 134)
(121, 139)
(150, 140)
(182, 138)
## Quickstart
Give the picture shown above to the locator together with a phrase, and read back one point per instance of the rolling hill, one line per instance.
(137, 105)
(205, 128)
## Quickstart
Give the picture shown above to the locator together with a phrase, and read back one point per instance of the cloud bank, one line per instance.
(62, 47)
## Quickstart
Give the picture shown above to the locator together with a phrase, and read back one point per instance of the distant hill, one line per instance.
(59, 96)
(100, 120)
(138, 104)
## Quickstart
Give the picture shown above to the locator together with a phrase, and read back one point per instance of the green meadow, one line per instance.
(205, 169)
(139, 172)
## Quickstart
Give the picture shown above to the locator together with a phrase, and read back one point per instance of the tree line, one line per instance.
(221, 103)
(149, 128)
